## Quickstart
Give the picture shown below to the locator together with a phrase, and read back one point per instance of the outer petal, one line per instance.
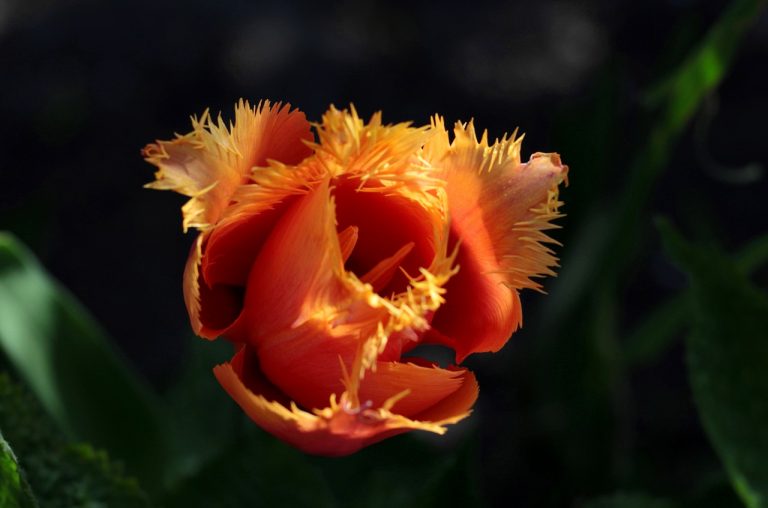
(339, 429)
(217, 272)
(499, 209)
(209, 163)
(218, 268)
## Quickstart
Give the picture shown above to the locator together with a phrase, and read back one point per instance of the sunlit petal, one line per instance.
(209, 163)
(499, 210)
(338, 429)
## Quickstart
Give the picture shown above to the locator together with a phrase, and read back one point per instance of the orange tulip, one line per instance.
(326, 260)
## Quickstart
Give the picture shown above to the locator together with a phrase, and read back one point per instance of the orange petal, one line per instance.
(454, 407)
(209, 163)
(301, 311)
(381, 274)
(299, 270)
(304, 362)
(499, 209)
(386, 223)
(192, 285)
(334, 431)
(426, 386)
(219, 263)
(347, 241)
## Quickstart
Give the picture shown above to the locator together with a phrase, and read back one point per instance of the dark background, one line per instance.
(84, 85)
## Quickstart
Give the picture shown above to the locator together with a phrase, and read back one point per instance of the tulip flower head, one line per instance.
(326, 257)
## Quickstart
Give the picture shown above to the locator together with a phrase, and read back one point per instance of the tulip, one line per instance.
(325, 259)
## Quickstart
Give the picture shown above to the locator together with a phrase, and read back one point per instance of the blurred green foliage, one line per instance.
(14, 490)
(62, 474)
(72, 395)
(728, 360)
(583, 359)
(70, 365)
(628, 501)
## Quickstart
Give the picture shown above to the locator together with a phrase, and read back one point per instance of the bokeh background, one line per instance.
(592, 396)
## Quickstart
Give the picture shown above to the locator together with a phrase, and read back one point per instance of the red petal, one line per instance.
(499, 209)
(480, 312)
(427, 386)
(386, 223)
(335, 430)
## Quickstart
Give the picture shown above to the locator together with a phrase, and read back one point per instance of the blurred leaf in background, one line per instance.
(728, 362)
(61, 474)
(629, 501)
(583, 378)
(14, 490)
(71, 366)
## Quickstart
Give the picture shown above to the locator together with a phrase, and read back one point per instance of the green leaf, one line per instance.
(61, 474)
(70, 365)
(753, 255)
(628, 501)
(728, 362)
(663, 325)
(14, 490)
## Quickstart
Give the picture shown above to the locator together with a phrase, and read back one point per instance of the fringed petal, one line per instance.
(341, 428)
(212, 161)
(379, 157)
(499, 210)
(299, 272)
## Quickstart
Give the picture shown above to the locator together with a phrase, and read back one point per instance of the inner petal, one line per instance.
(228, 254)
(387, 224)
(297, 273)
(381, 274)
(347, 241)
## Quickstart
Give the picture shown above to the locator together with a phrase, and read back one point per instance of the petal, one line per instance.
(480, 313)
(386, 224)
(306, 316)
(499, 209)
(305, 362)
(219, 263)
(191, 283)
(299, 270)
(421, 388)
(372, 151)
(302, 312)
(334, 431)
(209, 163)
(454, 407)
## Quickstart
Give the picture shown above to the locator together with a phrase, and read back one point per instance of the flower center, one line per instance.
(385, 238)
